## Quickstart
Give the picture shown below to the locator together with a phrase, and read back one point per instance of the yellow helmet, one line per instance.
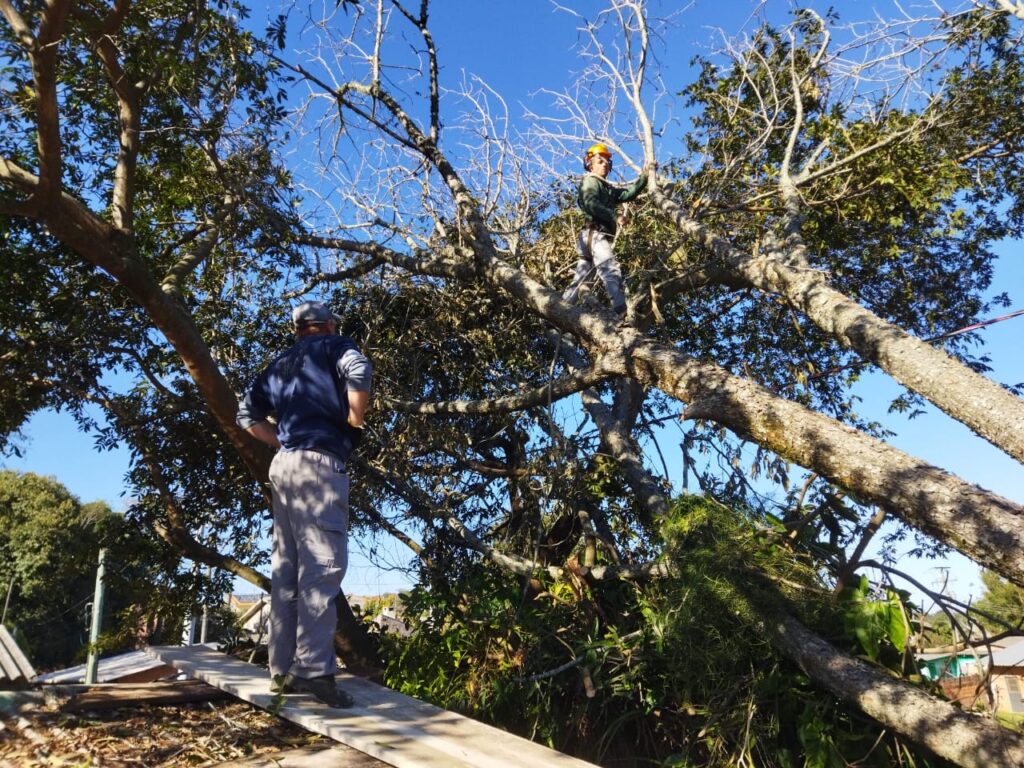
(596, 149)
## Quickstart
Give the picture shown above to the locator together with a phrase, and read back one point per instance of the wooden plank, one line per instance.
(112, 696)
(16, 653)
(9, 668)
(308, 757)
(397, 729)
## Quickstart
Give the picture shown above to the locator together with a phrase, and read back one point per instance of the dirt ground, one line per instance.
(199, 734)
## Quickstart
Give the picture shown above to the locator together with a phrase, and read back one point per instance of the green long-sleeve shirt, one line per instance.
(597, 198)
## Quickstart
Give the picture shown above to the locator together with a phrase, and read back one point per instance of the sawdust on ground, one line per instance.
(195, 735)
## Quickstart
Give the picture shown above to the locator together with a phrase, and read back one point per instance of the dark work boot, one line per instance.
(324, 688)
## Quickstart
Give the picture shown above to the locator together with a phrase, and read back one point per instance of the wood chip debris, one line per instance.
(143, 736)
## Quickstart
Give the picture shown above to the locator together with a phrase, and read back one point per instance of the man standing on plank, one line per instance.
(319, 391)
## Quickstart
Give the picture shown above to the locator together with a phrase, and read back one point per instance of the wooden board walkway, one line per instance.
(338, 756)
(396, 729)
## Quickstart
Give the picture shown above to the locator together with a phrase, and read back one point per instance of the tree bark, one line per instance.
(980, 403)
(984, 526)
(966, 739)
(354, 644)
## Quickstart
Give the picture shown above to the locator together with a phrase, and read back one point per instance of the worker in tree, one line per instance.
(597, 197)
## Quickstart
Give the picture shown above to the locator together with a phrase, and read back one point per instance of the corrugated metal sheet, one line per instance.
(1011, 656)
(134, 666)
(15, 668)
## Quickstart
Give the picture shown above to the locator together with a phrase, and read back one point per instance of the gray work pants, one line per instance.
(597, 259)
(310, 554)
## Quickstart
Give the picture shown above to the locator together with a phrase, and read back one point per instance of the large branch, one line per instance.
(100, 244)
(553, 391)
(616, 437)
(190, 262)
(980, 403)
(617, 440)
(984, 526)
(43, 53)
(128, 101)
(18, 26)
(966, 739)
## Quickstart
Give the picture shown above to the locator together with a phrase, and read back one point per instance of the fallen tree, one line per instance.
(819, 224)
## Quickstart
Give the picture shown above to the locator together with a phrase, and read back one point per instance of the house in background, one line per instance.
(1006, 667)
(937, 666)
(987, 675)
(253, 612)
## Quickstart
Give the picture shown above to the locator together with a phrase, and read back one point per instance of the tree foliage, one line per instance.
(1002, 604)
(50, 543)
(634, 669)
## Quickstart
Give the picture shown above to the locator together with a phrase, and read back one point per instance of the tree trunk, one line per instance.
(977, 401)
(968, 740)
(981, 524)
(354, 644)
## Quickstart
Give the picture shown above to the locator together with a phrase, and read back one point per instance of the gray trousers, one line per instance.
(308, 562)
(597, 259)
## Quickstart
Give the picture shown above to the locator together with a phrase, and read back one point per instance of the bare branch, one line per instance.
(555, 390)
(171, 283)
(352, 273)
(1012, 7)
(906, 709)
(44, 57)
(890, 348)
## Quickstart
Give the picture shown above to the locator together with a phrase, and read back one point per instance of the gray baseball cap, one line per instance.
(311, 313)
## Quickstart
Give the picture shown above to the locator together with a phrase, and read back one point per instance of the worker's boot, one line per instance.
(324, 688)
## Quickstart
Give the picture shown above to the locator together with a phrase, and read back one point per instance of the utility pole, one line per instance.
(206, 611)
(7, 602)
(97, 615)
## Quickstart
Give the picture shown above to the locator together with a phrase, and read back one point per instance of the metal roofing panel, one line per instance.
(1011, 656)
(108, 670)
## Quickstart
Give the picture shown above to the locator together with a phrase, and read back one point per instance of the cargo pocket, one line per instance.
(328, 541)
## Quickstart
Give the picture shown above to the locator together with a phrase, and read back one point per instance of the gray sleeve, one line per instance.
(357, 370)
(248, 414)
(255, 406)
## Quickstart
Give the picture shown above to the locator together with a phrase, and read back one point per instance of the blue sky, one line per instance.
(522, 46)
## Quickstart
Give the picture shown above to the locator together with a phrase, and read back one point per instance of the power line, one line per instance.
(975, 326)
(940, 337)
